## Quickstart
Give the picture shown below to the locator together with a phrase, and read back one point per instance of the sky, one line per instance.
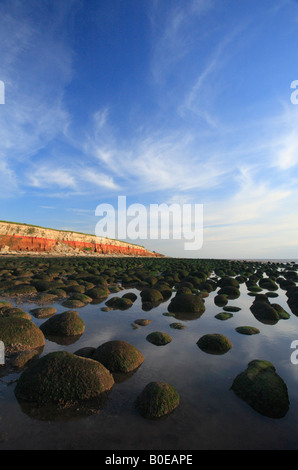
(184, 102)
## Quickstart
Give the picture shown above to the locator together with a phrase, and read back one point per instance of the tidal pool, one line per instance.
(210, 415)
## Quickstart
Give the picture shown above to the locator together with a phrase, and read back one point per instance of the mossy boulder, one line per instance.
(214, 343)
(165, 290)
(151, 295)
(157, 400)
(271, 294)
(208, 286)
(98, 293)
(184, 284)
(195, 281)
(25, 357)
(14, 312)
(76, 289)
(142, 321)
(118, 356)
(184, 291)
(230, 291)
(22, 290)
(63, 324)
(254, 288)
(119, 303)
(86, 299)
(60, 293)
(293, 300)
(159, 338)
(19, 334)
(268, 284)
(221, 300)
(227, 281)
(267, 313)
(177, 326)
(130, 295)
(43, 312)
(73, 303)
(231, 308)
(247, 330)
(64, 379)
(187, 303)
(263, 389)
(223, 316)
(4, 303)
(283, 315)
(45, 298)
(86, 351)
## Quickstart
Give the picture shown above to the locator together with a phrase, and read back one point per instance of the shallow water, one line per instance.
(210, 415)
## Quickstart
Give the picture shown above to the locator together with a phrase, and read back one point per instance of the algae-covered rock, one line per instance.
(186, 303)
(63, 324)
(268, 284)
(98, 293)
(263, 389)
(159, 338)
(230, 291)
(22, 290)
(267, 313)
(73, 303)
(87, 351)
(214, 344)
(142, 321)
(283, 315)
(130, 295)
(119, 303)
(64, 379)
(227, 281)
(247, 330)
(151, 295)
(14, 312)
(231, 308)
(165, 290)
(86, 299)
(157, 400)
(118, 356)
(25, 357)
(293, 300)
(223, 316)
(19, 334)
(220, 300)
(45, 298)
(4, 303)
(43, 312)
(177, 326)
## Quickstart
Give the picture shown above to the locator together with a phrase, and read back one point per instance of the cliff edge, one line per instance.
(17, 238)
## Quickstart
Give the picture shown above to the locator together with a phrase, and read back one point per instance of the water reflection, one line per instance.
(188, 316)
(210, 416)
(51, 412)
(63, 340)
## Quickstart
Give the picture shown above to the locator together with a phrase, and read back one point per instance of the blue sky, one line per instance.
(161, 101)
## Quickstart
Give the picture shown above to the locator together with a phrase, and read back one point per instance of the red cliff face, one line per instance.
(43, 245)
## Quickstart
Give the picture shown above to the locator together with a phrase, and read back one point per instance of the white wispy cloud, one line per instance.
(172, 28)
(79, 178)
(47, 177)
(98, 178)
(36, 65)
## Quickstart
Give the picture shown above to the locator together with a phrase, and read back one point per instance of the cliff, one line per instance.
(23, 238)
